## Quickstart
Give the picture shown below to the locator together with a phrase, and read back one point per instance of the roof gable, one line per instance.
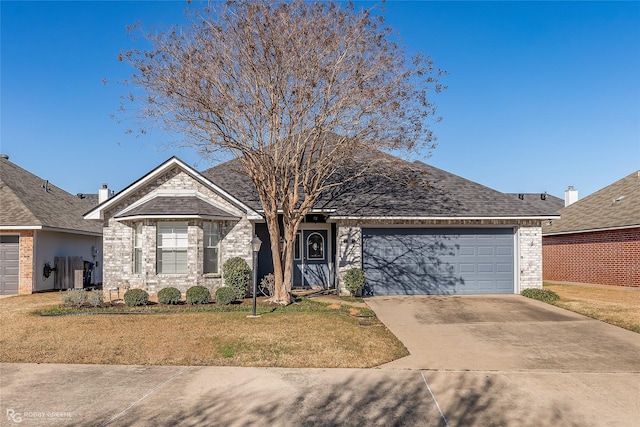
(184, 206)
(614, 206)
(30, 201)
(173, 162)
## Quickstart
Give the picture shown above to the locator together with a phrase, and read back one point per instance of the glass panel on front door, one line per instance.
(296, 247)
(315, 246)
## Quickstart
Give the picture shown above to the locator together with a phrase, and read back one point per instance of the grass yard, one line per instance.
(616, 305)
(307, 334)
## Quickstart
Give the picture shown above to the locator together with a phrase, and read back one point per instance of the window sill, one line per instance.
(212, 275)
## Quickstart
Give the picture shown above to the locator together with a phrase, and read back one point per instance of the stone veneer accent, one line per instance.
(530, 252)
(118, 242)
(528, 247)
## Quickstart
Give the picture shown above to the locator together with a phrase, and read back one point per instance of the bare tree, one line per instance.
(294, 90)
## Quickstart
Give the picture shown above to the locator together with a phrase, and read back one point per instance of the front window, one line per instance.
(137, 248)
(211, 247)
(172, 247)
(296, 247)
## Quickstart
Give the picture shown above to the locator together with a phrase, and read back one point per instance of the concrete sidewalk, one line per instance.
(95, 395)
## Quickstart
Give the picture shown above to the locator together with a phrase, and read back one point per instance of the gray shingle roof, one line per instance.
(544, 202)
(25, 202)
(411, 190)
(614, 206)
(182, 205)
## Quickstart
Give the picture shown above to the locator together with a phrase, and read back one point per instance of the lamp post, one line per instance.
(255, 247)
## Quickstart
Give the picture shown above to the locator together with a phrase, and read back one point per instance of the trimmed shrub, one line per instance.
(225, 295)
(169, 296)
(354, 280)
(544, 295)
(198, 295)
(95, 298)
(135, 297)
(237, 274)
(74, 297)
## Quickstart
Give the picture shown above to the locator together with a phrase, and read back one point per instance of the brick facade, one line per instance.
(602, 257)
(118, 242)
(530, 253)
(27, 260)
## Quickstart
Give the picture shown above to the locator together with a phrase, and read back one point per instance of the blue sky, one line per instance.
(541, 95)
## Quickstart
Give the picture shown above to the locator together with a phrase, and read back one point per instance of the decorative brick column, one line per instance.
(27, 260)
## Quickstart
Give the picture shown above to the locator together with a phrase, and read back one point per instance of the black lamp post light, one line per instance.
(255, 247)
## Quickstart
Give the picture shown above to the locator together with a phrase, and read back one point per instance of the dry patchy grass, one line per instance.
(314, 337)
(612, 304)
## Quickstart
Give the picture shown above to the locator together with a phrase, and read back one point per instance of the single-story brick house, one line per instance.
(39, 224)
(597, 239)
(176, 226)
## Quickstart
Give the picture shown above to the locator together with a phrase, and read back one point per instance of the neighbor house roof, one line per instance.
(29, 201)
(542, 201)
(411, 190)
(614, 206)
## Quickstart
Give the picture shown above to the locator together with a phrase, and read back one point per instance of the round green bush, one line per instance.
(169, 296)
(225, 295)
(237, 275)
(198, 295)
(354, 280)
(544, 295)
(134, 297)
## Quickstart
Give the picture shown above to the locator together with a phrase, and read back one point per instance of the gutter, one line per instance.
(591, 230)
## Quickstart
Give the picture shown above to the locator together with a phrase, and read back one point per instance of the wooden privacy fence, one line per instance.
(69, 272)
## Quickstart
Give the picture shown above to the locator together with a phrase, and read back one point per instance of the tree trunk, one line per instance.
(289, 246)
(281, 293)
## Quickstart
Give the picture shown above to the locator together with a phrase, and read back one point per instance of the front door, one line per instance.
(311, 259)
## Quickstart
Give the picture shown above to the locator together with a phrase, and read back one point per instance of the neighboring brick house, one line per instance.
(597, 239)
(442, 234)
(40, 222)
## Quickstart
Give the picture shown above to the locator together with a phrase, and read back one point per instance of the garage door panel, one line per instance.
(485, 250)
(504, 250)
(9, 264)
(486, 285)
(467, 268)
(438, 261)
(505, 286)
(10, 255)
(485, 268)
(504, 268)
(467, 251)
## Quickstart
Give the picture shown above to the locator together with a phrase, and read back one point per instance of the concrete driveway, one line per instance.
(510, 360)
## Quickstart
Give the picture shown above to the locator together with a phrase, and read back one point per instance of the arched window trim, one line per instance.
(321, 246)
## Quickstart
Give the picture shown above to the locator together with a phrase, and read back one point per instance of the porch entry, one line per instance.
(311, 259)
